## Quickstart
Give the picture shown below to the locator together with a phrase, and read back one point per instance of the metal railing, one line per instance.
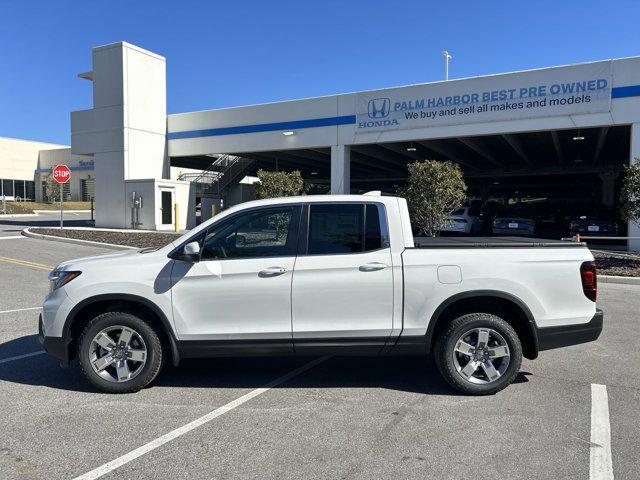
(232, 169)
(199, 177)
(218, 176)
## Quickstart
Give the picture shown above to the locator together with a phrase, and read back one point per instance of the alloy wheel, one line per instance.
(481, 355)
(118, 353)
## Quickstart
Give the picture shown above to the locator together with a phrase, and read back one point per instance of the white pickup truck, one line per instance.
(321, 275)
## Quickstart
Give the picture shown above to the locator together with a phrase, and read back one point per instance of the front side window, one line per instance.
(259, 233)
(346, 228)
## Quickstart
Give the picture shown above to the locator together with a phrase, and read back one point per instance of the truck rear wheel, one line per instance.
(478, 354)
(119, 352)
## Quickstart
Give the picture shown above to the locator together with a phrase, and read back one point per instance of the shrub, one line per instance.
(630, 193)
(433, 191)
(278, 184)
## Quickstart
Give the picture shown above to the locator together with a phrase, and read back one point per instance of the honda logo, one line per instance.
(379, 108)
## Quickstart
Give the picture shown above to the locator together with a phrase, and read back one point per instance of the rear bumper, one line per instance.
(565, 335)
(523, 232)
(57, 347)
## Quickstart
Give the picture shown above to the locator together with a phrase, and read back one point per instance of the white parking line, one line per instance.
(18, 357)
(600, 464)
(167, 437)
(12, 237)
(21, 310)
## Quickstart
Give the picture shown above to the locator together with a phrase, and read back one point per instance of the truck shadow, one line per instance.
(408, 374)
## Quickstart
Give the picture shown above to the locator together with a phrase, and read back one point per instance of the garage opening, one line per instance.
(548, 184)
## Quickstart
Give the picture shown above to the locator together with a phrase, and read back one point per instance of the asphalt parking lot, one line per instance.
(337, 418)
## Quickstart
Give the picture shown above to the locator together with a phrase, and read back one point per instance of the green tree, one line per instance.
(278, 184)
(433, 191)
(52, 189)
(630, 193)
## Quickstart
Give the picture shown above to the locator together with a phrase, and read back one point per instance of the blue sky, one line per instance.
(222, 54)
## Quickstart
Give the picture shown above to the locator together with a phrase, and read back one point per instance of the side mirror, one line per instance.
(189, 253)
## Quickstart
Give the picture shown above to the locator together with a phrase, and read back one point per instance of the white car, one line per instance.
(321, 275)
(463, 220)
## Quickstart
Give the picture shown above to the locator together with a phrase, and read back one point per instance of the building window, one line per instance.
(87, 189)
(30, 190)
(7, 188)
(66, 191)
(19, 189)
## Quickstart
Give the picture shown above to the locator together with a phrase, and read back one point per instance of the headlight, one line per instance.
(59, 278)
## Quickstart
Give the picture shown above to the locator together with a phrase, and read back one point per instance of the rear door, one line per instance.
(342, 293)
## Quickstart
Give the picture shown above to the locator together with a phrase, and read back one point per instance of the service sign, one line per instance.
(541, 93)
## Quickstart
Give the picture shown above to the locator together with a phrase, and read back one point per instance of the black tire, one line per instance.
(154, 352)
(446, 343)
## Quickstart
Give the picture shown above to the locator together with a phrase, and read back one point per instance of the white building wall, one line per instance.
(324, 107)
(175, 172)
(81, 168)
(624, 111)
(150, 215)
(125, 131)
(19, 158)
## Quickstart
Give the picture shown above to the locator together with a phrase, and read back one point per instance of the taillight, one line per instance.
(589, 280)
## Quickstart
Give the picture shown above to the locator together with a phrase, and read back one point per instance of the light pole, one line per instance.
(447, 57)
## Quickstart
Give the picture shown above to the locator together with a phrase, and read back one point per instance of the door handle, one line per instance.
(272, 272)
(372, 267)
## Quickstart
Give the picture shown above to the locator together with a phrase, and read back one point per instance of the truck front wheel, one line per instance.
(478, 354)
(119, 352)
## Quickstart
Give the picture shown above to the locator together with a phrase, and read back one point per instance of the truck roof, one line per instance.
(369, 197)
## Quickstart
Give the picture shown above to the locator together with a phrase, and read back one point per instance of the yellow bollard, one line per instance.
(175, 217)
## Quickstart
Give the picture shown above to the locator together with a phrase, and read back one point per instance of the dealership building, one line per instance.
(24, 165)
(561, 135)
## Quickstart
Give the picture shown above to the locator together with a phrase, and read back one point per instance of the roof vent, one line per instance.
(374, 193)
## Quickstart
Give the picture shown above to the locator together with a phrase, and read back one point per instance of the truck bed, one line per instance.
(492, 242)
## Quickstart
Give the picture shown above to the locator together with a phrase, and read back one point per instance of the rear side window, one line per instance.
(346, 228)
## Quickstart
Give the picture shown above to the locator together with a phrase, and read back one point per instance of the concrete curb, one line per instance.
(41, 212)
(27, 233)
(618, 279)
(14, 215)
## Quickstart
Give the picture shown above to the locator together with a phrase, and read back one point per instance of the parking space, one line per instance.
(341, 418)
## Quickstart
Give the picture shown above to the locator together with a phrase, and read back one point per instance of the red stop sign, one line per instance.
(61, 174)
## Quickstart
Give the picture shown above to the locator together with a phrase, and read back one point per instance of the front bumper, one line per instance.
(57, 347)
(565, 335)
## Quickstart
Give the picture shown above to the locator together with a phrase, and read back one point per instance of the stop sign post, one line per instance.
(62, 175)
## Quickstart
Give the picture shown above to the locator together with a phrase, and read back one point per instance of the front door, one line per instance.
(343, 283)
(166, 205)
(238, 296)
